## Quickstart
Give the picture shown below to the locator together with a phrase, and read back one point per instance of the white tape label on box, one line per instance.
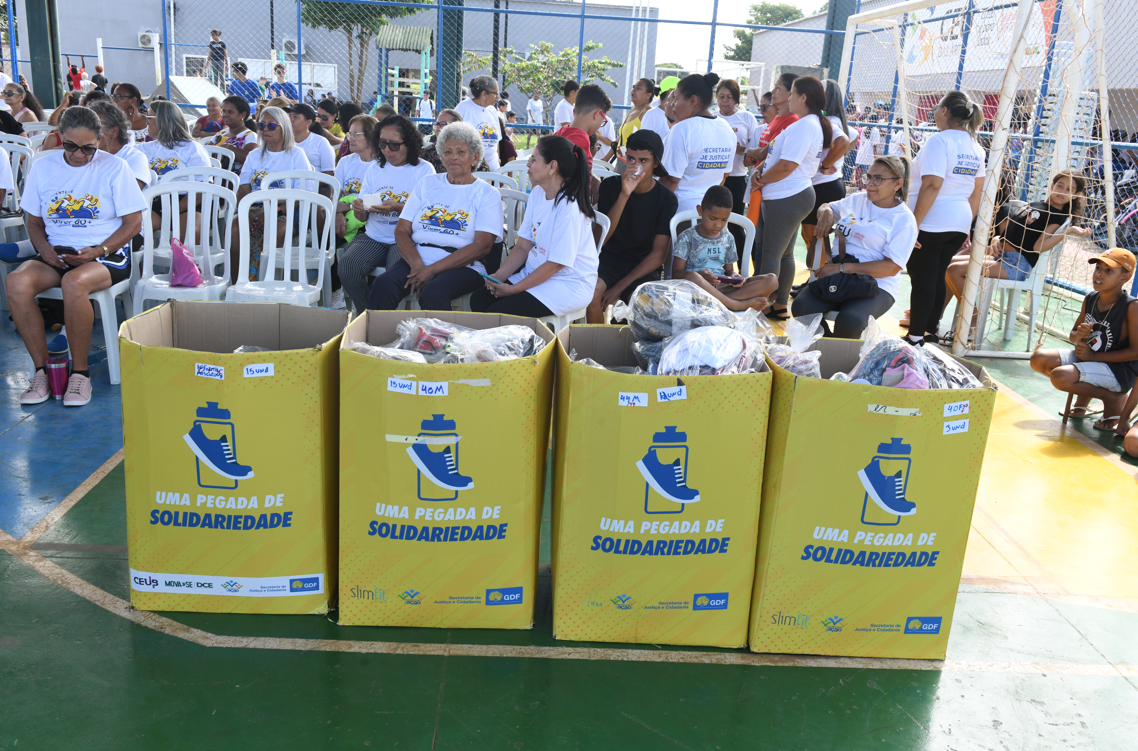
(401, 385)
(952, 427)
(216, 372)
(632, 399)
(433, 388)
(884, 409)
(673, 394)
(263, 370)
(956, 409)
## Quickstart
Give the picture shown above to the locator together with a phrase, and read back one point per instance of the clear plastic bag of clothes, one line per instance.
(662, 309)
(388, 353)
(888, 360)
(429, 337)
(496, 344)
(793, 356)
(647, 354)
(247, 348)
(711, 350)
(954, 374)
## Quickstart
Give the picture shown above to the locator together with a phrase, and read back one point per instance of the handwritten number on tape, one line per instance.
(672, 394)
(956, 409)
(952, 427)
(884, 409)
(633, 399)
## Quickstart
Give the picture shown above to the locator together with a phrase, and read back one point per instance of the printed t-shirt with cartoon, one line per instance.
(699, 151)
(350, 172)
(319, 151)
(388, 183)
(237, 142)
(442, 214)
(139, 164)
(955, 156)
(185, 154)
(744, 126)
(485, 121)
(800, 143)
(705, 253)
(84, 205)
(261, 162)
(876, 234)
(567, 238)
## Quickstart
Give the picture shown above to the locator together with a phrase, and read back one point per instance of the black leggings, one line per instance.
(927, 266)
(522, 304)
(738, 187)
(388, 289)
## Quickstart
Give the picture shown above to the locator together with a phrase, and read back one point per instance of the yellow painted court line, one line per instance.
(74, 497)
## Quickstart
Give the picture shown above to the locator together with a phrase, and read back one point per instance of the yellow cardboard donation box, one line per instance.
(656, 498)
(441, 477)
(231, 458)
(867, 502)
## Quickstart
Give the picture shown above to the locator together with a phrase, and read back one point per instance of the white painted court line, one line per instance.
(72, 498)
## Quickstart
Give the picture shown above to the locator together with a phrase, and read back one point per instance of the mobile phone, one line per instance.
(491, 279)
(728, 279)
(65, 250)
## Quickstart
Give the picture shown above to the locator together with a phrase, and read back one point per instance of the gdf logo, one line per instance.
(922, 625)
(709, 601)
(504, 596)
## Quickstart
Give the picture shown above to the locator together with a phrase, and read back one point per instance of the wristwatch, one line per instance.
(841, 268)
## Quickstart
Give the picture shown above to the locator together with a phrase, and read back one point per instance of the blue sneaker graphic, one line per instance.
(666, 479)
(217, 455)
(886, 492)
(439, 467)
(58, 345)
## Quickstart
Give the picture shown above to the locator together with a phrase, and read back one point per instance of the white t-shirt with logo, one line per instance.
(163, 159)
(319, 152)
(744, 126)
(81, 206)
(485, 121)
(876, 234)
(139, 165)
(388, 183)
(261, 162)
(699, 151)
(442, 214)
(562, 234)
(800, 142)
(350, 172)
(955, 156)
(562, 113)
(820, 177)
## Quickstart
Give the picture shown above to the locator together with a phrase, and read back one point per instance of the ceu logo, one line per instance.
(833, 623)
(213, 440)
(307, 584)
(886, 480)
(162, 166)
(922, 625)
(434, 452)
(504, 596)
(440, 216)
(664, 469)
(622, 602)
(411, 597)
(231, 586)
(710, 601)
(68, 207)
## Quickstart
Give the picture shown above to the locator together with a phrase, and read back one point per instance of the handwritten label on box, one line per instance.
(401, 385)
(216, 372)
(673, 394)
(433, 388)
(956, 409)
(630, 399)
(884, 409)
(259, 371)
(952, 427)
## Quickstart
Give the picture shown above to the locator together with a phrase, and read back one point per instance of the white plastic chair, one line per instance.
(210, 245)
(224, 156)
(320, 180)
(514, 203)
(37, 140)
(212, 175)
(12, 219)
(556, 323)
(748, 236)
(34, 129)
(519, 171)
(304, 247)
(601, 173)
(497, 180)
(7, 138)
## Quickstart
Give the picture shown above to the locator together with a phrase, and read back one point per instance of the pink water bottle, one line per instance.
(58, 369)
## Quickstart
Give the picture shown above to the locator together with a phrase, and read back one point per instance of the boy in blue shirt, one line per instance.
(243, 87)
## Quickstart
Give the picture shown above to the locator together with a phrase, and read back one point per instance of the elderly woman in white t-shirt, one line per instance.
(83, 207)
(448, 224)
(878, 230)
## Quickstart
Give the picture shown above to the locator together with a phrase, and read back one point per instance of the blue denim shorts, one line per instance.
(1016, 265)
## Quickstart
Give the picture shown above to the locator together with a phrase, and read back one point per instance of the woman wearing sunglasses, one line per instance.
(25, 107)
(83, 208)
(129, 98)
(387, 184)
(278, 153)
(326, 113)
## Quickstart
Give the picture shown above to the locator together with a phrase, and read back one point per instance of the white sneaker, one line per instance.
(78, 391)
(338, 301)
(38, 392)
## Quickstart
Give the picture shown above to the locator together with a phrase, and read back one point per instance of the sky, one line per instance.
(686, 45)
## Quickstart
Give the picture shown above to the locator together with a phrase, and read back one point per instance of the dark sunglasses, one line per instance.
(268, 126)
(71, 148)
(441, 124)
(389, 145)
(765, 107)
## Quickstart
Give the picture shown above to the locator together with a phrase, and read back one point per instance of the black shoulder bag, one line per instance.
(837, 288)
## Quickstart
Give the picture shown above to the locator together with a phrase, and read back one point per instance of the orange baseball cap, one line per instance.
(1116, 258)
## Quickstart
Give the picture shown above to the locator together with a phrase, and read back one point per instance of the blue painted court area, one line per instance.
(49, 450)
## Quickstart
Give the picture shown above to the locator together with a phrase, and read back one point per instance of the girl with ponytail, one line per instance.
(947, 182)
(552, 269)
(700, 150)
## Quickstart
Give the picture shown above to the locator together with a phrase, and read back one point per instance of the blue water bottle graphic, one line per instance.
(886, 480)
(213, 439)
(664, 469)
(439, 467)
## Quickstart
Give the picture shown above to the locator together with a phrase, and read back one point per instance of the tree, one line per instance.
(359, 23)
(763, 14)
(544, 70)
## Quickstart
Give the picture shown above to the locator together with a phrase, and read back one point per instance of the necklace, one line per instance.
(870, 204)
